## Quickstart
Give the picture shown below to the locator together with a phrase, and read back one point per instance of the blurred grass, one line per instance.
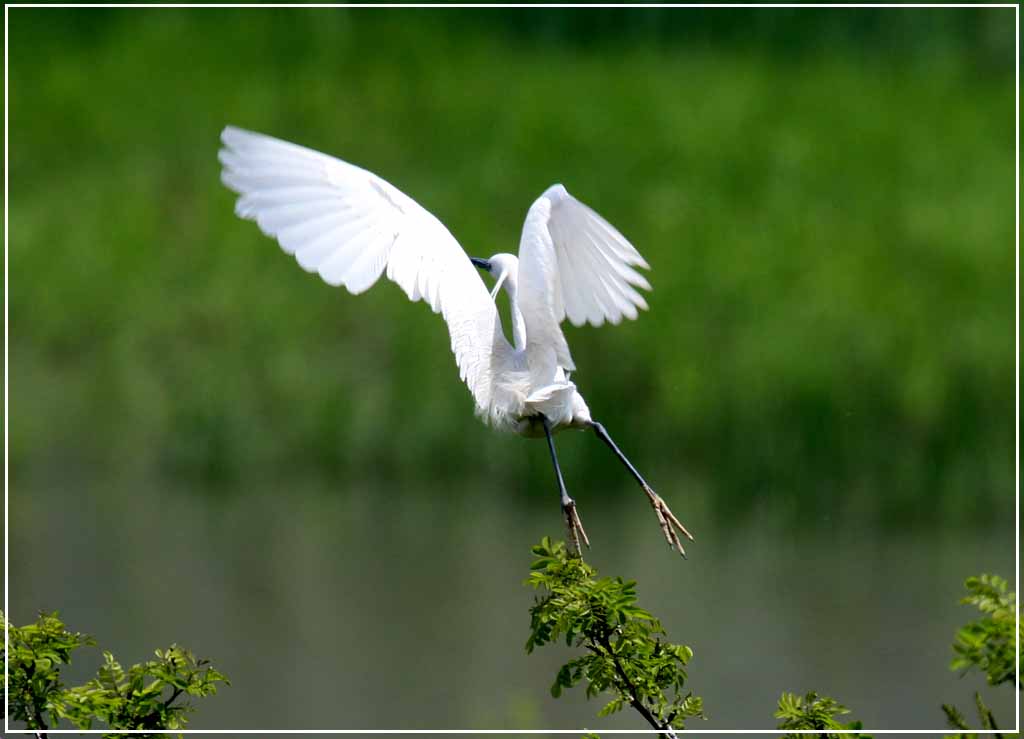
(831, 235)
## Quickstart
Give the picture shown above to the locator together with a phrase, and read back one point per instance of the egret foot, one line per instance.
(668, 522)
(574, 527)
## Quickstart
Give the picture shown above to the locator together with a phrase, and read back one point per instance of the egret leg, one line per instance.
(670, 525)
(572, 518)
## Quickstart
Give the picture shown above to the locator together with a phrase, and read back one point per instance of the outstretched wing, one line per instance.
(573, 264)
(350, 226)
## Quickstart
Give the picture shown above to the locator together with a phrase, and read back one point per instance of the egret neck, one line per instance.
(510, 281)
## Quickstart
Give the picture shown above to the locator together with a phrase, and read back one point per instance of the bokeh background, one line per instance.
(209, 446)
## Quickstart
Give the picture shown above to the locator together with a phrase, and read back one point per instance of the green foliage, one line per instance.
(815, 712)
(627, 658)
(985, 645)
(37, 652)
(988, 643)
(145, 696)
(956, 720)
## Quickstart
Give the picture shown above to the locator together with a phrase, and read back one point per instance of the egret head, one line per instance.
(504, 268)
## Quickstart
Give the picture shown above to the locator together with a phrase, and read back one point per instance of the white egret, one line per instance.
(350, 226)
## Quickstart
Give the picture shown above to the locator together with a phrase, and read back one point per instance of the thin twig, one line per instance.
(37, 714)
(634, 699)
(175, 694)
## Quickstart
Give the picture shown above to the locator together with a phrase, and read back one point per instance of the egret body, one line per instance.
(350, 227)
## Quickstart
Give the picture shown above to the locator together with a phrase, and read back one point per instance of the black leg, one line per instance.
(566, 500)
(602, 434)
(572, 518)
(668, 522)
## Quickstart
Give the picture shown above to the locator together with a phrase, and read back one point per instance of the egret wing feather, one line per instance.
(606, 275)
(350, 226)
(540, 297)
(572, 264)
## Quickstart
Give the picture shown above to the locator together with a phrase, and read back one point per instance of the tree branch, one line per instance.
(37, 715)
(634, 699)
(175, 694)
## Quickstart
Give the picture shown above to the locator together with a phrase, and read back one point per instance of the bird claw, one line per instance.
(668, 522)
(575, 527)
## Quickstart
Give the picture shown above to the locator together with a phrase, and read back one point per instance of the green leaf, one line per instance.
(118, 698)
(988, 644)
(600, 616)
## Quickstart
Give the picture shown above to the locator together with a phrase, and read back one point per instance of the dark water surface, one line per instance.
(333, 610)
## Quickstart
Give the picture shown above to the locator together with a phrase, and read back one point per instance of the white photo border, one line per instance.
(6, 378)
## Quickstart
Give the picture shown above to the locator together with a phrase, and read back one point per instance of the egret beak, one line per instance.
(497, 285)
(483, 264)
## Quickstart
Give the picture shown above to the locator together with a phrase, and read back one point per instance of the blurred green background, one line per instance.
(209, 445)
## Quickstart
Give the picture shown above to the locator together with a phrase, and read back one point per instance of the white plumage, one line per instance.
(350, 226)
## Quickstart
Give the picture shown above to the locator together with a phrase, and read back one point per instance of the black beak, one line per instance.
(483, 264)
